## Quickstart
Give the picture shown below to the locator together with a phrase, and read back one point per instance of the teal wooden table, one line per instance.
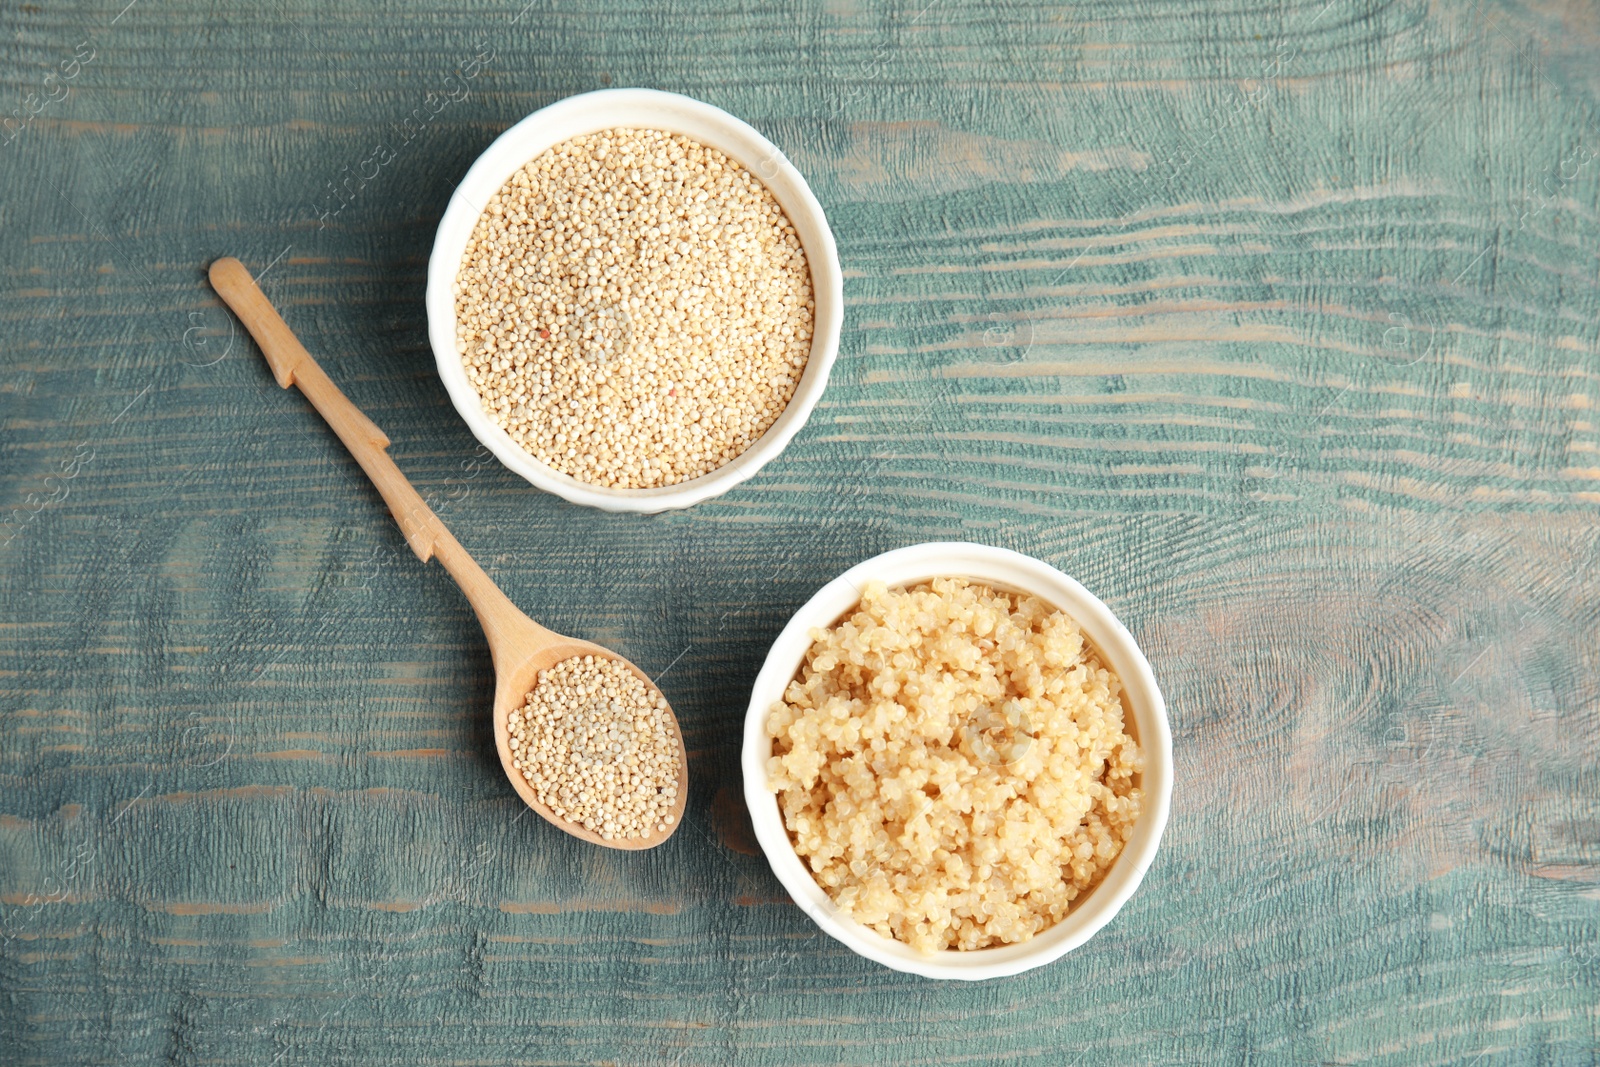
(1276, 325)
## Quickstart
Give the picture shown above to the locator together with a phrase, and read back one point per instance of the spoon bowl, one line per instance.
(520, 647)
(515, 681)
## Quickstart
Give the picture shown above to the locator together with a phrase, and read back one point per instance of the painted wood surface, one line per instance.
(1276, 325)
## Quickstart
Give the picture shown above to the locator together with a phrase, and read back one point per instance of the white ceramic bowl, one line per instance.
(1013, 572)
(644, 109)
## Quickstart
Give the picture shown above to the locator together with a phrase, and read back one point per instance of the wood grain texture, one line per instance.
(1277, 326)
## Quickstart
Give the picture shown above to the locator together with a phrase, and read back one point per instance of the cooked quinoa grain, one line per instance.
(952, 764)
(599, 747)
(634, 308)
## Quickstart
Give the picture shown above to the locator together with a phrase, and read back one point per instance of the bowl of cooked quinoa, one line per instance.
(957, 761)
(634, 300)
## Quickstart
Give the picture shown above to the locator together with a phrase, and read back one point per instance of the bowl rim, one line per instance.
(1142, 700)
(648, 109)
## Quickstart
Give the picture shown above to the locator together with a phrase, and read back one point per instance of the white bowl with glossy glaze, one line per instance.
(641, 109)
(1143, 704)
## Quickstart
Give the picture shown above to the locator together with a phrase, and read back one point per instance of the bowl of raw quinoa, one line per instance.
(634, 300)
(957, 761)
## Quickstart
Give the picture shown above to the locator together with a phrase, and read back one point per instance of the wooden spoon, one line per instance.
(521, 647)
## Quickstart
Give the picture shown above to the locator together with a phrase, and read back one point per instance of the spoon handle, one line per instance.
(292, 365)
